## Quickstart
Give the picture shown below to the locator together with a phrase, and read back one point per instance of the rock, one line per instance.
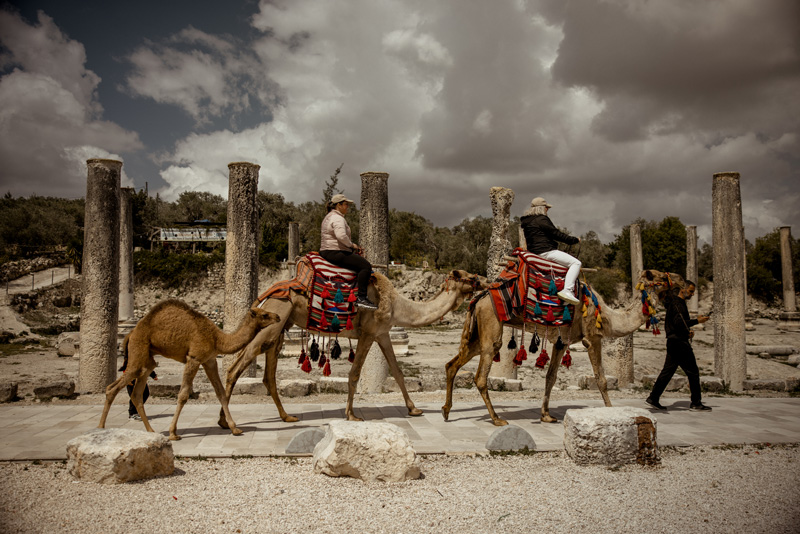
(464, 379)
(296, 388)
(774, 384)
(676, 382)
(794, 359)
(764, 355)
(510, 438)
(589, 382)
(68, 344)
(413, 384)
(499, 383)
(62, 388)
(333, 384)
(774, 350)
(711, 384)
(304, 441)
(366, 450)
(249, 386)
(8, 391)
(435, 382)
(793, 384)
(166, 387)
(114, 456)
(611, 436)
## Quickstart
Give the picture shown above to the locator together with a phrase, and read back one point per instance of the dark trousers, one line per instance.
(145, 395)
(354, 262)
(679, 354)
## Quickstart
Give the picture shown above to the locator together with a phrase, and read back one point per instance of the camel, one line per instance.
(369, 326)
(486, 339)
(174, 330)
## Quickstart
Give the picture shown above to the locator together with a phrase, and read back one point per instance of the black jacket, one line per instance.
(677, 323)
(541, 235)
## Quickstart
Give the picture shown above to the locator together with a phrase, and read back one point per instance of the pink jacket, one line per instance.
(335, 232)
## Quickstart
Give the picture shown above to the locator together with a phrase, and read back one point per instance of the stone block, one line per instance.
(589, 382)
(366, 450)
(510, 438)
(433, 382)
(333, 384)
(611, 436)
(793, 384)
(772, 384)
(8, 391)
(61, 388)
(249, 386)
(676, 383)
(499, 383)
(68, 344)
(296, 387)
(166, 387)
(711, 384)
(464, 379)
(413, 384)
(794, 359)
(304, 441)
(114, 456)
(774, 350)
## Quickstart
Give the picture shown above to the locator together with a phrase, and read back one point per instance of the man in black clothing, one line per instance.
(679, 349)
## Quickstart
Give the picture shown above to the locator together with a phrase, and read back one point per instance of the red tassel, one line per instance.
(351, 357)
(537, 284)
(521, 355)
(323, 322)
(306, 367)
(566, 361)
(645, 310)
(542, 360)
(658, 331)
(550, 317)
(325, 293)
(352, 296)
(327, 370)
(349, 325)
(302, 357)
(496, 357)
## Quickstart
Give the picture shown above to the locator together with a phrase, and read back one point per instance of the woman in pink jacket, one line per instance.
(337, 248)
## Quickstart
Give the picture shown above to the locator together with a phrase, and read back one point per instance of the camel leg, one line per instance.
(270, 381)
(212, 371)
(364, 344)
(489, 347)
(189, 371)
(136, 397)
(385, 343)
(466, 352)
(550, 381)
(111, 393)
(596, 358)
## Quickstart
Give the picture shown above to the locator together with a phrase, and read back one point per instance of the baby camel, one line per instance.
(176, 331)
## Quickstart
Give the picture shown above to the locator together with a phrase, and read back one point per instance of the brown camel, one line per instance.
(486, 339)
(176, 331)
(368, 326)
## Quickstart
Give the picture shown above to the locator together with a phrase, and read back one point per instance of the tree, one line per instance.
(201, 205)
(705, 262)
(411, 237)
(593, 252)
(663, 247)
(764, 267)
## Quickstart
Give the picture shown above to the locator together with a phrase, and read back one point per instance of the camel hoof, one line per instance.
(289, 419)
(414, 412)
(549, 419)
(354, 418)
(222, 422)
(174, 437)
(237, 432)
(445, 413)
(500, 422)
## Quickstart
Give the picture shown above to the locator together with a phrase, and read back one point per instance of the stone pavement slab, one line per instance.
(41, 432)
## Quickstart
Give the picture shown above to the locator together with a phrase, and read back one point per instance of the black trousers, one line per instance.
(145, 395)
(354, 262)
(679, 354)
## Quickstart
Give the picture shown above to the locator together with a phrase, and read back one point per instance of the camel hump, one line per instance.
(172, 306)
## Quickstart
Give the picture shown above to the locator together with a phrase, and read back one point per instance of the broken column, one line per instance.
(790, 316)
(499, 245)
(374, 239)
(730, 362)
(294, 241)
(691, 266)
(100, 277)
(126, 254)
(241, 249)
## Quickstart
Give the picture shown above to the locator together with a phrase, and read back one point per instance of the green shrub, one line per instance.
(605, 282)
(173, 270)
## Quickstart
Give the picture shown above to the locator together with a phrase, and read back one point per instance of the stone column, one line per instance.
(499, 245)
(294, 241)
(620, 350)
(100, 279)
(374, 239)
(691, 265)
(790, 317)
(637, 263)
(241, 249)
(730, 362)
(126, 254)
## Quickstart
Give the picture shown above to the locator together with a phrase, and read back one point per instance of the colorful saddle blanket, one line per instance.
(528, 289)
(331, 292)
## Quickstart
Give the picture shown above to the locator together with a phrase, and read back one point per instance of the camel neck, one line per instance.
(407, 312)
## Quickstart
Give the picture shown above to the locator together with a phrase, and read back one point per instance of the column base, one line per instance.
(789, 321)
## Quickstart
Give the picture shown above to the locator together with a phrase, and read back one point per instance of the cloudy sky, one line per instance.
(611, 109)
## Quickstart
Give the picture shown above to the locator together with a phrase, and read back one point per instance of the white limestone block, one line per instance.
(611, 436)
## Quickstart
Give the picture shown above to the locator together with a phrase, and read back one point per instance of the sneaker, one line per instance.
(567, 297)
(365, 303)
(135, 417)
(699, 407)
(655, 404)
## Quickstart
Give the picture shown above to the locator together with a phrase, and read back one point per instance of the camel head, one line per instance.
(263, 318)
(464, 282)
(659, 282)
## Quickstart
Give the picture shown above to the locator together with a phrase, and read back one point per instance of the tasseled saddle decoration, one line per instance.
(521, 354)
(352, 355)
(566, 361)
(496, 357)
(336, 350)
(567, 316)
(543, 358)
(335, 322)
(305, 361)
(533, 348)
(550, 317)
(313, 351)
(352, 297)
(559, 344)
(322, 359)
(323, 321)
(537, 310)
(325, 293)
(339, 298)
(552, 289)
(512, 343)
(349, 324)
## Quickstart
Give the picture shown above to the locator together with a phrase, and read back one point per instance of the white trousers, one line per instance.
(574, 265)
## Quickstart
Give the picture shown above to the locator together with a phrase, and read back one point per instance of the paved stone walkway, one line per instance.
(42, 431)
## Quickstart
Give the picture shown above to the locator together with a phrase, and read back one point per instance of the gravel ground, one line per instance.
(721, 489)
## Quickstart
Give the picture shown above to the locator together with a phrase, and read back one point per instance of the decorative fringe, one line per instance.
(542, 360)
(336, 350)
(585, 310)
(325, 293)
(566, 361)
(335, 322)
(552, 289)
(567, 316)
(352, 297)
(322, 360)
(323, 321)
(550, 317)
(303, 356)
(326, 371)
(339, 298)
(521, 355)
(512, 343)
(313, 351)
(349, 324)
(537, 310)
(534, 346)
(599, 322)
(496, 357)
(306, 367)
